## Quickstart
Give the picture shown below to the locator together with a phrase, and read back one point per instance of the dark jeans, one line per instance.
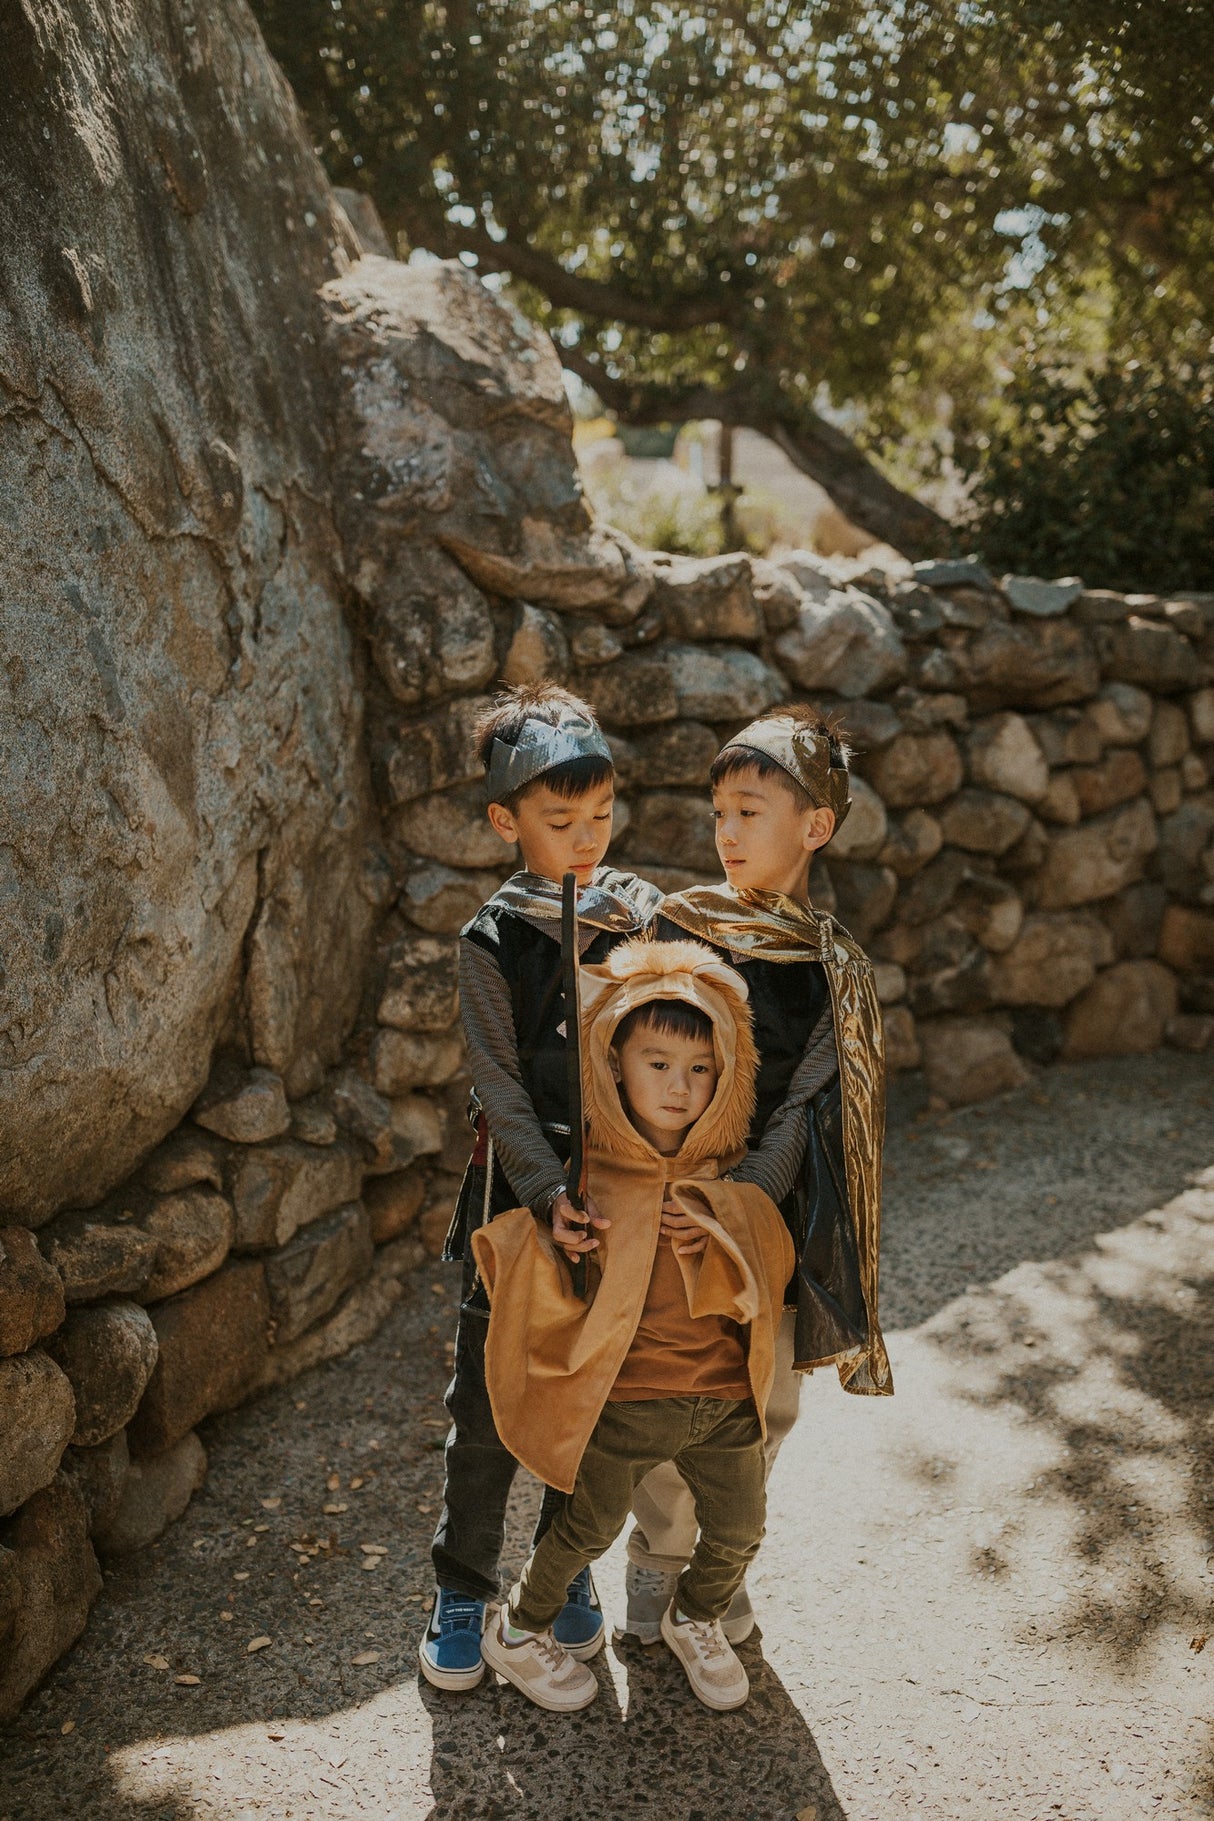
(479, 1470)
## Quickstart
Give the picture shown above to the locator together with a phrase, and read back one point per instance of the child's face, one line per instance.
(764, 841)
(666, 1081)
(558, 835)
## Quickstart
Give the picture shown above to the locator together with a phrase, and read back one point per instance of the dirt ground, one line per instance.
(987, 1596)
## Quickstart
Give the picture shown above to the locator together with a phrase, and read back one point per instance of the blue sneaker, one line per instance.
(578, 1626)
(450, 1650)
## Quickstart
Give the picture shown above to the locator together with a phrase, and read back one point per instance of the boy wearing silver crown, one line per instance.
(551, 783)
(780, 789)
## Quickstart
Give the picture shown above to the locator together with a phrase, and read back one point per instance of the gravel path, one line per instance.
(984, 1597)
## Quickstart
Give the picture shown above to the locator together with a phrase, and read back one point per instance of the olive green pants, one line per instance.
(717, 1446)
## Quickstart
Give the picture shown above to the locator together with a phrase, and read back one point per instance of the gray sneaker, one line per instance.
(739, 1621)
(649, 1591)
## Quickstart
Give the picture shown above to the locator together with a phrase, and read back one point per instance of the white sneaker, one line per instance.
(716, 1676)
(539, 1668)
(739, 1621)
(649, 1592)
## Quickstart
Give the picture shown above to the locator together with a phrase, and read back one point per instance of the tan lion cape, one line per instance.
(552, 1357)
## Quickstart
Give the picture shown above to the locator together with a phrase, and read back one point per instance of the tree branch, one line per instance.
(817, 448)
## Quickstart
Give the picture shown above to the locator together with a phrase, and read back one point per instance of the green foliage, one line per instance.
(1106, 475)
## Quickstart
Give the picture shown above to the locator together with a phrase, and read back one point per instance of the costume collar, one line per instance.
(767, 925)
(613, 901)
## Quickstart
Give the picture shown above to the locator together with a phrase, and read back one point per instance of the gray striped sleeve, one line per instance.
(774, 1162)
(533, 1167)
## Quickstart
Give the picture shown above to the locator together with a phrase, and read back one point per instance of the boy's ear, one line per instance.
(503, 823)
(613, 1063)
(819, 827)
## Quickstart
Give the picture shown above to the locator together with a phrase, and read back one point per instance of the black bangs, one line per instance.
(735, 759)
(669, 1017)
(574, 777)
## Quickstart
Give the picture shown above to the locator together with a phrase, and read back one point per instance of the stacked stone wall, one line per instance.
(1029, 857)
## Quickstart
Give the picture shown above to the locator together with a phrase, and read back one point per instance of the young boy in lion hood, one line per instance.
(670, 1354)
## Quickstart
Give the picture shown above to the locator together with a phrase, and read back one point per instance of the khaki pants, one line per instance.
(664, 1535)
(718, 1446)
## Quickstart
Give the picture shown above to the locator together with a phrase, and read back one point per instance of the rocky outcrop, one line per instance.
(287, 517)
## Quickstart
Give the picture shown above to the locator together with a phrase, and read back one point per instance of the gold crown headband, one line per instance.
(812, 760)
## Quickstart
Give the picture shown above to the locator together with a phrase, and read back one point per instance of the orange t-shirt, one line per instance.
(675, 1353)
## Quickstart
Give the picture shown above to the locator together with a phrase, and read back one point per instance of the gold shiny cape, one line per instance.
(770, 927)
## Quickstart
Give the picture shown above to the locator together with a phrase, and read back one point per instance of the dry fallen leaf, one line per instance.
(276, 1736)
(260, 1529)
(250, 1542)
(68, 1726)
(241, 1575)
(226, 1616)
(270, 1504)
(356, 1482)
(333, 1483)
(334, 1510)
(187, 1681)
(1198, 1644)
(372, 1561)
(366, 1656)
(156, 1662)
(257, 1644)
(373, 1548)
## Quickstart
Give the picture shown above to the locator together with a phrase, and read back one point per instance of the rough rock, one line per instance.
(1121, 714)
(665, 823)
(890, 981)
(1201, 715)
(863, 834)
(912, 841)
(1029, 853)
(1167, 791)
(1037, 1034)
(393, 1203)
(902, 1049)
(708, 597)
(1004, 756)
(1194, 772)
(933, 889)
(452, 826)
(969, 1059)
(1168, 741)
(1069, 736)
(1061, 801)
(538, 649)
(1042, 600)
(55, 1579)
(245, 1107)
(1191, 1031)
(1100, 607)
(418, 1126)
(1042, 665)
(722, 685)
(1098, 858)
(417, 757)
(194, 1232)
(963, 986)
(865, 895)
(173, 628)
(194, 1377)
(357, 1316)
(402, 1060)
(186, 1157)
(421, 993)
(846, 643)
(1123, 1013)
(915, 769)
(312, 1121)
(307, 1277)
(635, 691)
(679, 754)
(99, 1475)
(1186, 841)
(31, 1292)
(594, 643)
(278, 1188)
(99, 1257)
(991, 910)
(983, 821)
(777, 593)
(1117, 779)
(868, 726)
(442, 899)
(1134, 919)
(108, 1354)
(1149, 654)
(433, 630)
(37, 1416)
(1052, 960)
(1186, 939)
(155, 1493)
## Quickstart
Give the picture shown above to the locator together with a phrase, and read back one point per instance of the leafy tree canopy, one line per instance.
(842, 224)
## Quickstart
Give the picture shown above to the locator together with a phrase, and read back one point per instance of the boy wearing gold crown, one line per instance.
(780, 789)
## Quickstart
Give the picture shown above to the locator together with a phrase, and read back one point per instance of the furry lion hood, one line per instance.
(634, 974)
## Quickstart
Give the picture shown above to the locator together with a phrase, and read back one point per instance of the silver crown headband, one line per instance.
(539, 748)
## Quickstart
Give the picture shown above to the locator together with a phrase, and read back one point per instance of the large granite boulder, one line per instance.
(184, 796)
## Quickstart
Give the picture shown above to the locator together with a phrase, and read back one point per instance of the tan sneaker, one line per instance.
(540, 1669)
(716, 1676)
